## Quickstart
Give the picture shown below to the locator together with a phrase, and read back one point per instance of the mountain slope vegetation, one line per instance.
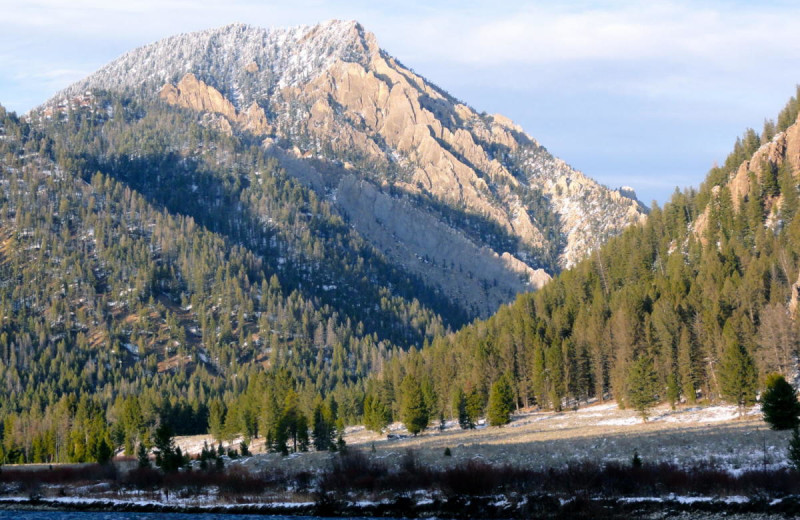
(697, 303)
(111, 292)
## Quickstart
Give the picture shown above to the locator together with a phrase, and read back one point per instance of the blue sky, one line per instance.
(645, 94)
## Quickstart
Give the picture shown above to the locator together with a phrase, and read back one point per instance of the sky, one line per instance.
(642, 94)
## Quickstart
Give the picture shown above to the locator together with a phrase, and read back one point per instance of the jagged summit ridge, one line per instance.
(242, 61)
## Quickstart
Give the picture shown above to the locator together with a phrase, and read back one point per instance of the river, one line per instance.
(81, 515)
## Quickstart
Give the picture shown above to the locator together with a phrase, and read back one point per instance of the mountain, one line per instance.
(228, 226)
(697, 303)
(467, 202)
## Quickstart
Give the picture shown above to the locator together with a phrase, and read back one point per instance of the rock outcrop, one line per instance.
(783, 148)
(386, 112)
(192, 93)
(794, 299)
(423, 245)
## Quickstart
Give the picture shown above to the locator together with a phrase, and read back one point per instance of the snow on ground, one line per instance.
(733, 499)
(622, 421)
(193, 444)
(702, 434)
(599, 432)
(199, 501)
(706, 414)
(598, 408)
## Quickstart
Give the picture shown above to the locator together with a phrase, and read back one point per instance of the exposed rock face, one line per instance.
(195, 94)
(477, 276)
(391, 138)
(794, 298)
(447, 149)
(784, 147)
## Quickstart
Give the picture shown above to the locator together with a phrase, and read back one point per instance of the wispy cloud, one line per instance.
(629, 31)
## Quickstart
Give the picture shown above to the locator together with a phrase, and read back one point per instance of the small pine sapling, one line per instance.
(779, 404)
(794, 449)
(636, 461)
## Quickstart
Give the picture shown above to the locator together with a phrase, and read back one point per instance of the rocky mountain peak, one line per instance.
(243, 62)
(355, 124)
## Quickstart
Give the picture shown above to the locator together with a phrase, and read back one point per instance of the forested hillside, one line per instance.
(272, 247)
(695, 304)
(145, 256)
(129, 303)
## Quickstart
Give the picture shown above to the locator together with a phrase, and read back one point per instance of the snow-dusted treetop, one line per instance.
(243, 62)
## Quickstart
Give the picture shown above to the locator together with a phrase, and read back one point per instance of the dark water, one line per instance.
(75, 515)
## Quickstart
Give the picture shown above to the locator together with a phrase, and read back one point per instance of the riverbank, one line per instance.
(530, 506)
(357, 485)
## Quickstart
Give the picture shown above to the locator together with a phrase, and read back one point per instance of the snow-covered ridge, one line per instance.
(243, 62)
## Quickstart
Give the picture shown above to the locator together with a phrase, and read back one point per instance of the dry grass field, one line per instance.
(691, 436)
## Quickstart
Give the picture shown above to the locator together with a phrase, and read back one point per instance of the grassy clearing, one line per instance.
(711, 435)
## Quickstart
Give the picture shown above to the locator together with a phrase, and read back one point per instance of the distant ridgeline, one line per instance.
(695, 304)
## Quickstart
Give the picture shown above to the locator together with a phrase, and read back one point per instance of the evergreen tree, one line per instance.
(104, 452)
(460, 410)
(790, 201)
(131, 423)
(686, 367)
(769, 179)
(142, 457)
(501, 402)
(291, 427)
(301, 435)
(737, 375)
(323, 428)
(376, 413)
(475, 404)
(642, 385)
(673, 390)
(168, 457)
(794, 449)
(779, 404)
(413, 412)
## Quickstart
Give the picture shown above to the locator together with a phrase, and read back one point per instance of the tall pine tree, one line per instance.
(642, 386)
(413, 412)
(501, 402)
(737, 376)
